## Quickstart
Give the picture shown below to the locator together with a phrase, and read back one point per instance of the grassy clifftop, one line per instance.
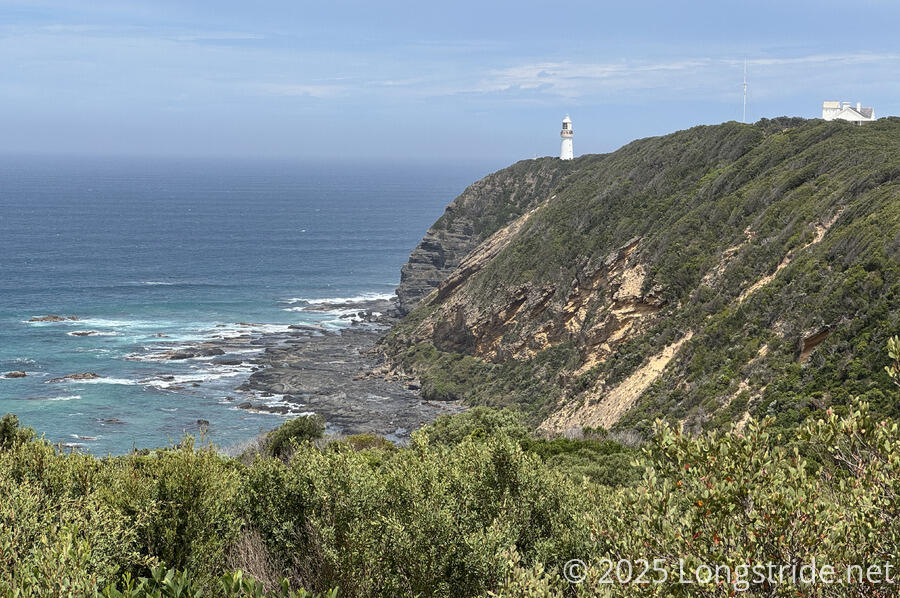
(704, 276)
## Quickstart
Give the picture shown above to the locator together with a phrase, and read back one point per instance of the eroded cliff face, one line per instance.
(527, 320)
(483, 208)
(704, 276)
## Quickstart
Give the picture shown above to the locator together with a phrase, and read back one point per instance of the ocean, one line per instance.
(149, 254)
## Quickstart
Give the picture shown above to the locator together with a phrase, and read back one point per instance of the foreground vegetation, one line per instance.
(476, 506)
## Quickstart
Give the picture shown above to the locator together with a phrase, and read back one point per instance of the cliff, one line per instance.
(480, 211)
(702, 276)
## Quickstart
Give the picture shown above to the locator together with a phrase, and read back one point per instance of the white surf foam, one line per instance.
(342, 300)
(198, 377)
(112, 323)
(92, 333)
(248, 351)
(66, 398)
(120, 381)
(301, 414)
(100, 351)
(332, 318)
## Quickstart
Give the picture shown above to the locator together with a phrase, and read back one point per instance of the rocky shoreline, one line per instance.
(336, 374)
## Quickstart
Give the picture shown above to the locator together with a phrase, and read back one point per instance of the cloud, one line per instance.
(715, 76)
(85, 31)
(298, 89)
(212, 36)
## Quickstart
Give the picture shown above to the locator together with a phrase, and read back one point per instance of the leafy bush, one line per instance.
(602, 461)
(11, 433)
(429, 521)
(478, 422)
(58, 537)
(182, 503)
(171, 583)
(368, 442)
(739, 499)
(281, 441)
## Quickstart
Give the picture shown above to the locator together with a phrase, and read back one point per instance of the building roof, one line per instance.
(567, 119)
(847, 111)
(861, 112)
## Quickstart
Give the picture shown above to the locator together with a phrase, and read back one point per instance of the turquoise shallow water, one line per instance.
(185, 249)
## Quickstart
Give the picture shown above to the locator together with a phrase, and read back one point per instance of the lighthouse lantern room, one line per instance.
(565, 149)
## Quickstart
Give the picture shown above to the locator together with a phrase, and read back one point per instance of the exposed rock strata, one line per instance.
(528, 320)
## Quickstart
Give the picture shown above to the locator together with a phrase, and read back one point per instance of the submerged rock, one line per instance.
(53, 318)
(15, 375)
(82, 376)
(227, 361)
(202, 351)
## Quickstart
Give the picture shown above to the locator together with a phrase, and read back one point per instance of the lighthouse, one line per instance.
(565, 147)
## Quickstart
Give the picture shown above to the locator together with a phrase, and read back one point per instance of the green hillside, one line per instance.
(706, 276)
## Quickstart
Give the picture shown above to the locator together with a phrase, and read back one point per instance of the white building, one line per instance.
(846, 111)
(565, 148)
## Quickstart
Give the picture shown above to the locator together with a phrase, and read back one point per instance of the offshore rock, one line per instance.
(53, 318)
(82, 376)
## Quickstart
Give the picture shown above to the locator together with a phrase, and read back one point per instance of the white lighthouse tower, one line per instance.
(565, 148)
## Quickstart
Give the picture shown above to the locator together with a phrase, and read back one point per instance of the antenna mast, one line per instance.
(744, 114)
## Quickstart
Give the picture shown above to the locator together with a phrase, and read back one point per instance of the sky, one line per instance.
(425, 80)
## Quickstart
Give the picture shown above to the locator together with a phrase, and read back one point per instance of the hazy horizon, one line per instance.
(486, 83)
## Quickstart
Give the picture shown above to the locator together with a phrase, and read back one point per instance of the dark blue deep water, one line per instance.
(142, 248)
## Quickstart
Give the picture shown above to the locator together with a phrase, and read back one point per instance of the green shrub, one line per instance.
(182, 504)
(365, 442)
(11, 433)
(602, 461)
(281, 441)
(478, 422)
(430, 521)
(171, 583)
(58, 537)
